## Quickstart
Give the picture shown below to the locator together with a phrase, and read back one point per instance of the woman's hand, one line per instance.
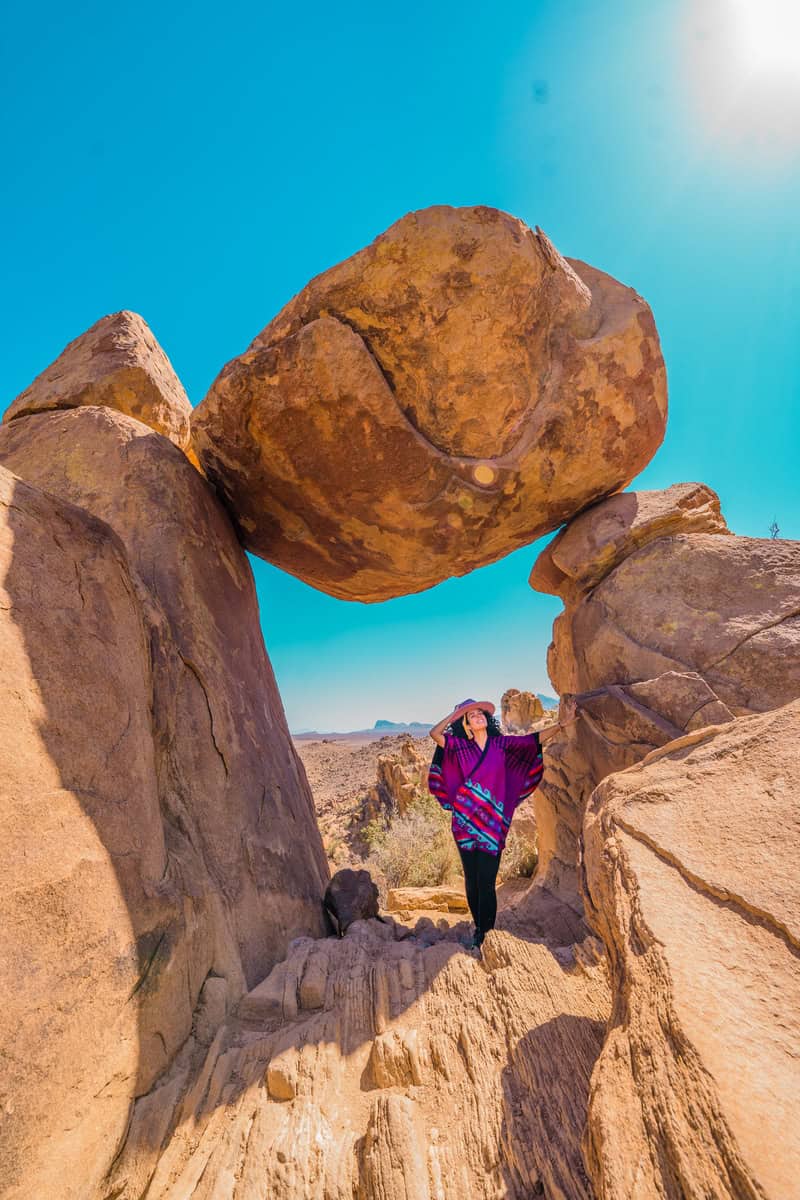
(568, 714)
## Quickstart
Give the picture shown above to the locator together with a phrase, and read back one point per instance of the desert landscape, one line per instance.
(201, 996)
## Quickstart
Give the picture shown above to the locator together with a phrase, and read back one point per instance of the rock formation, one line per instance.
(402, 775)
(349, 897)
(173, 1022)
(519, 710)
(672, 592)
(119, 364)
(444, 396)
(388, 1063)
(165, 844)
(670, 623)
(353, 783)
(442, 898)
(691, 876)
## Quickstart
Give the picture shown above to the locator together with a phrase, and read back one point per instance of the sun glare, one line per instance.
(768, 34)
(742, 65)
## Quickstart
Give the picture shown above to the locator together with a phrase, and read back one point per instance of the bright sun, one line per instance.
(768, 34)
(742, 64)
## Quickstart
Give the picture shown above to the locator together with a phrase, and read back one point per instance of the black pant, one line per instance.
(480, 873)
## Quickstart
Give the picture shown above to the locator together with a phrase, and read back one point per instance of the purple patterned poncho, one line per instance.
(482, 788)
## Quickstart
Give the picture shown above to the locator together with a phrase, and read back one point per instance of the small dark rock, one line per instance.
(350, 896)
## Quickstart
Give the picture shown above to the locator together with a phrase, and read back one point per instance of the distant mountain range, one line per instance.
(384, 727)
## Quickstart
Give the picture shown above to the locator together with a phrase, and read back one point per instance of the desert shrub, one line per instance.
(520, 856)
(416, 848)
(412, 849)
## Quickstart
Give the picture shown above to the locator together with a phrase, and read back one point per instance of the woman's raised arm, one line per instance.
(437, 733)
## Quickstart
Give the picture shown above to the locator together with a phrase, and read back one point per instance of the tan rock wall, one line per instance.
(691, 878)
(98, 955)
(166, 761)
(670, 623)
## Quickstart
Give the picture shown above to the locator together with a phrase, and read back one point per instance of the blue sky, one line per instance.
(198, 164)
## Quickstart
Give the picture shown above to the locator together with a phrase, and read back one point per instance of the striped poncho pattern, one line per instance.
(482, 788)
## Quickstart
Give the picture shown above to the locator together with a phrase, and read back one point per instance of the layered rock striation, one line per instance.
(166, 850)
(387, 1063)
(444, 396)
(670, 623)
(690, 870)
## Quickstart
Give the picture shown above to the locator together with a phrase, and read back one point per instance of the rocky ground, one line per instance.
(342, 775)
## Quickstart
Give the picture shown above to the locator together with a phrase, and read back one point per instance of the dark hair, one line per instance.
(492, 726)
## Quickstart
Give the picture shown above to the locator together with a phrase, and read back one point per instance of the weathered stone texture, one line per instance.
(519, 710)
(387, 1063)
(152, 775)
(691, 877)
(119, 364)
(670, 623)
(444, 396)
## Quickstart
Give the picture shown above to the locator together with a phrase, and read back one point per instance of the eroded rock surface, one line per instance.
(617, 728)
(164, 827)
(385, 1064)
(88, 903)
(520, 710)
(117, 363)
(444, 396)
(596, 541)
(670, 623)
(691, 876)
(645, 603)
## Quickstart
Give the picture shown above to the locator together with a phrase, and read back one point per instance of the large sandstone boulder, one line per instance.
(691, 876)
(618, 727)
(520, 710)
(441, 398)
(118, 363)
(670, 593)
(100, 954)
(670, 623)
(165, 847)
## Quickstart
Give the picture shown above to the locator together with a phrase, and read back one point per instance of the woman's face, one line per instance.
(475, 719)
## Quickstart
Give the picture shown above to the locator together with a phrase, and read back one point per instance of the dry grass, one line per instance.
(416, 849)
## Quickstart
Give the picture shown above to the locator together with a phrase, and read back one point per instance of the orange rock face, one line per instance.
(85, 898)
(597, 540)
(726, 607)
(519, 710)
(692, 880)
(670, 623)
(117, 363)
(441, 398)
(166, 850)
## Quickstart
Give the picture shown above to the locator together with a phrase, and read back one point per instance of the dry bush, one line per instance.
(415, 849)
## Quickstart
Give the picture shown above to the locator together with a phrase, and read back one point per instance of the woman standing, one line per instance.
(481, 776)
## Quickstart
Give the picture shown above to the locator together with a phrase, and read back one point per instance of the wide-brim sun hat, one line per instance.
(466, 705)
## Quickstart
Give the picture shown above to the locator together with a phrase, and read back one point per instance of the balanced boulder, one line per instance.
(441, 398)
